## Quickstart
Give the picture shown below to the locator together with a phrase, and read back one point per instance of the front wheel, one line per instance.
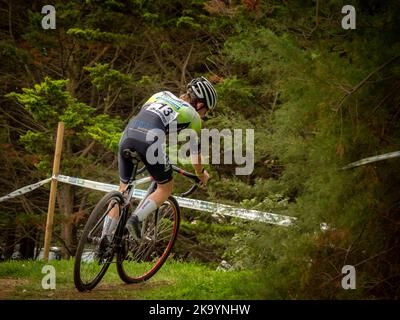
(138, 261)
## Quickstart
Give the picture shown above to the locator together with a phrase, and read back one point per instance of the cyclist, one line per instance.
(159, 112)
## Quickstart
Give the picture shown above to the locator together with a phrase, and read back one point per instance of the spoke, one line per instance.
(109, 208)
(141, 257)
(91, 265)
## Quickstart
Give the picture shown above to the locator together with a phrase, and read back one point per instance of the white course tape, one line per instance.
(372, 159)
(25, 189)
(195, 204)
(227, 210)
(100, 186)
(201, 205)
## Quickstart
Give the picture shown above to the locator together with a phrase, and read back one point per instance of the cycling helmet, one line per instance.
(203, 90)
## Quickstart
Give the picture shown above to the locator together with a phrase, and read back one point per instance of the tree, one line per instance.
(48, 103)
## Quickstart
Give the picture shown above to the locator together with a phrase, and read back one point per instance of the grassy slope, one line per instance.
(22, 280)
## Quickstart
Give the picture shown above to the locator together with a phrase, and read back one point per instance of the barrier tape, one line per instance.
(24, 190)
(372, 159)
(195, 204)
(216, 208)
(227, 210)
(100, 186)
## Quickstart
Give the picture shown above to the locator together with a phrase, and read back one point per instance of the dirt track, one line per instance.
(14, 289)
(8, 286)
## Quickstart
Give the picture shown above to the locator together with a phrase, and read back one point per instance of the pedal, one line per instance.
(94, 240)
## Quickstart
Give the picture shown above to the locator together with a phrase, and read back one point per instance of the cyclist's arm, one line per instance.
(199, 169)
(195, 125)
(196, 148)
(196, 163)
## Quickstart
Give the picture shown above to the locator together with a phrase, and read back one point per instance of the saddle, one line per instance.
(131, 154)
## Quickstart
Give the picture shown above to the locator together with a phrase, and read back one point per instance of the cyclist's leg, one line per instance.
(154, 200)
(162, 174)
(162, 193)
(125, 167)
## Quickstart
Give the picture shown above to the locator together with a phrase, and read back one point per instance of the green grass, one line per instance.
(175, 280)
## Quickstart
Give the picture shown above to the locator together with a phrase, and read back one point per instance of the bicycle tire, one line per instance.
(128, 259)
(97, 212)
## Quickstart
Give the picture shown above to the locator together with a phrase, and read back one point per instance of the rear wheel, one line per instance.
(138, 261)
(90, 266)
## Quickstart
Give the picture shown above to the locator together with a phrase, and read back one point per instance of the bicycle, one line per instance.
(136, 261)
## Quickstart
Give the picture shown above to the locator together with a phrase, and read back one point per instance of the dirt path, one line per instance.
(14, 289)
(106, 291)
(8, 286)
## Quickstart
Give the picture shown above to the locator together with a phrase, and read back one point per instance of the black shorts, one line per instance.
(134, 138)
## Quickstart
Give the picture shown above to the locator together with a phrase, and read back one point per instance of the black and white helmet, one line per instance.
(204, 90)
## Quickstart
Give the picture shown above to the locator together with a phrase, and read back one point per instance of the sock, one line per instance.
(108, 226)
(147, 207)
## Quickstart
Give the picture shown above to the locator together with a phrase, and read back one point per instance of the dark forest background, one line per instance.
(317, 96)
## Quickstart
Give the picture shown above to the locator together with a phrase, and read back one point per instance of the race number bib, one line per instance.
(164, 111)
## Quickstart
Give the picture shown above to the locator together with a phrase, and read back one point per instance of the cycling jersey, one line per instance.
(170, 108)
(162, 111)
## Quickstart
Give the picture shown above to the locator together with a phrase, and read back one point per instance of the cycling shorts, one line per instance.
(134, 138)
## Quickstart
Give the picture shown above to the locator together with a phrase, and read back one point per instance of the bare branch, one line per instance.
(183, 73)
(360, 84)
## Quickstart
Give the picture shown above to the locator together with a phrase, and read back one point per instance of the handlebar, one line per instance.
(190, 176)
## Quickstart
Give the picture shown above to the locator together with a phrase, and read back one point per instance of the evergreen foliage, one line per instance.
(317, 96)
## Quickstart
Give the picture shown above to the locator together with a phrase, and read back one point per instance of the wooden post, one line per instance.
(53, 190)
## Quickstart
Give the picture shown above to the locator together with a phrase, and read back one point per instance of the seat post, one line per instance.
(135, 166)
(135, 159)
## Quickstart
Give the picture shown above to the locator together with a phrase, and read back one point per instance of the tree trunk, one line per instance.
(65, 196)
(65, 193)
(10, 240)
(27, 248)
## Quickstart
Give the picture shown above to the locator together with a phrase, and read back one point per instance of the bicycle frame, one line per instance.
(129, 191)
(130, 188)
(121, 243)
